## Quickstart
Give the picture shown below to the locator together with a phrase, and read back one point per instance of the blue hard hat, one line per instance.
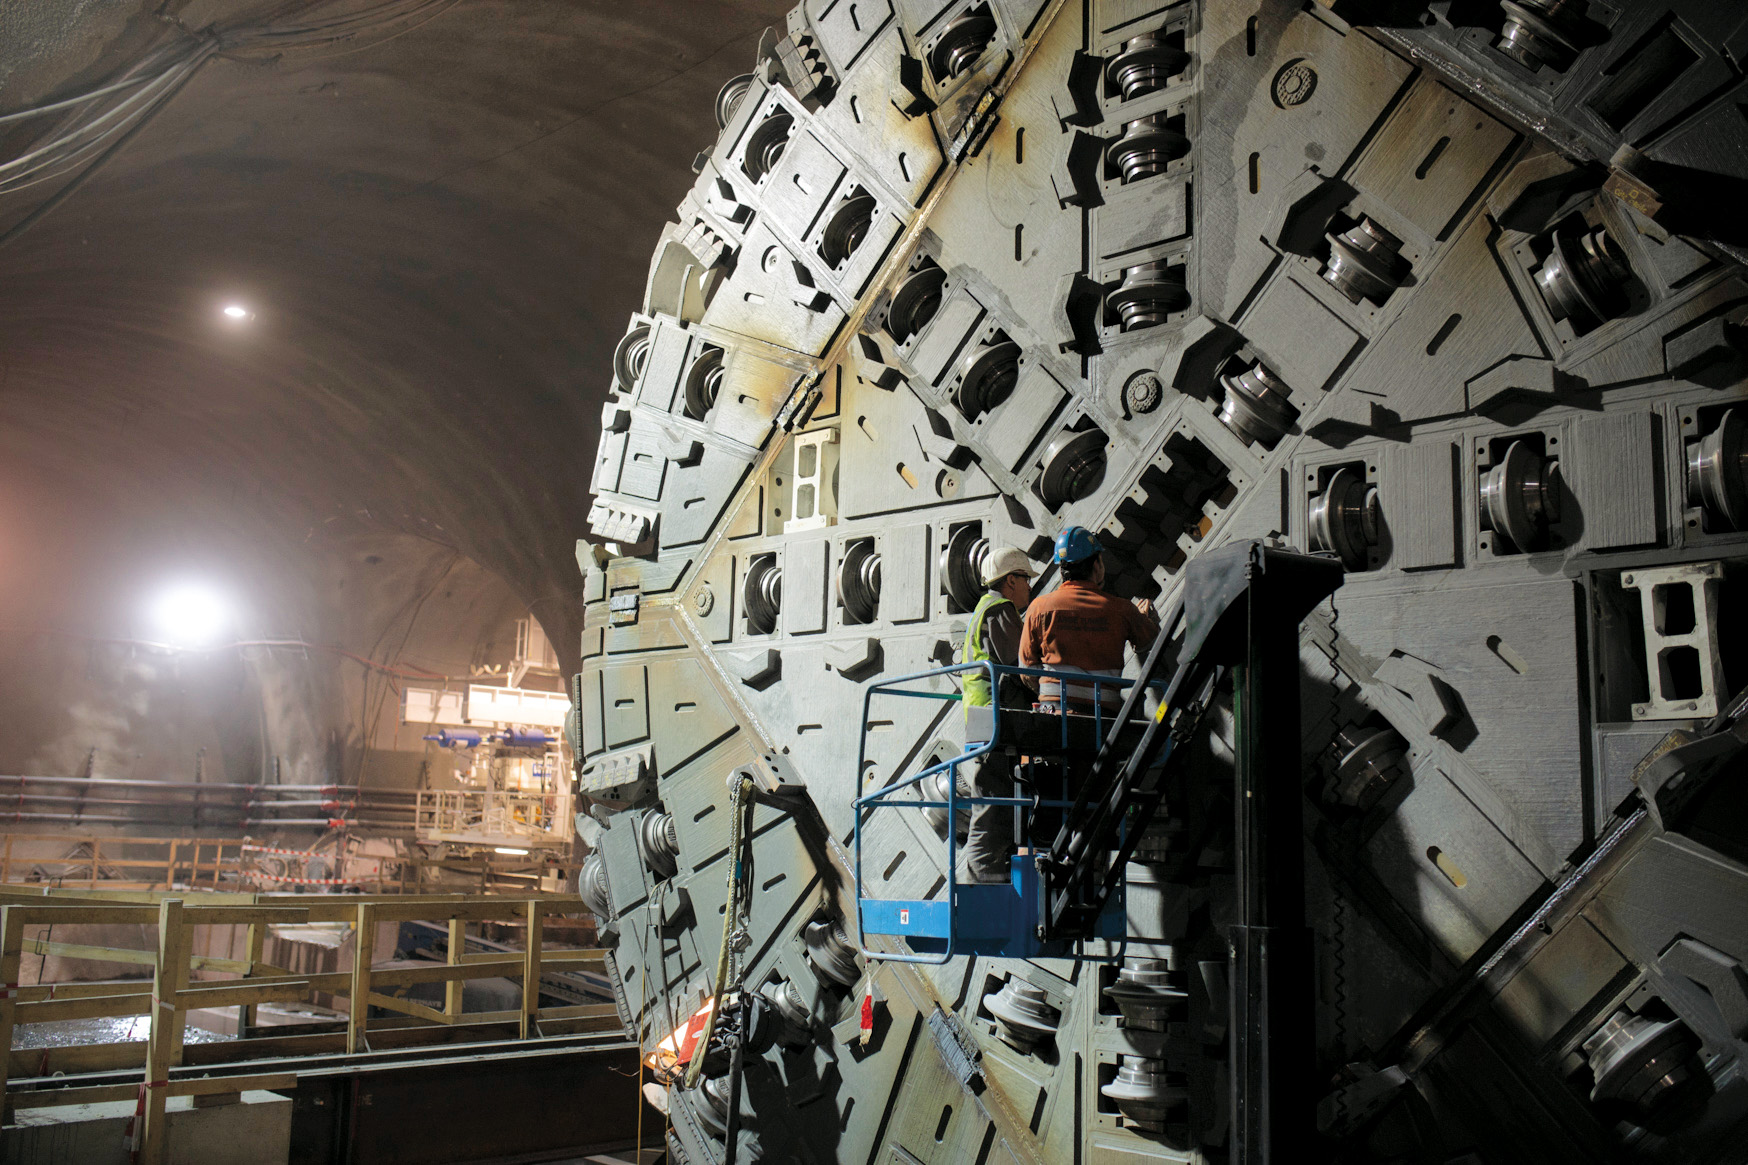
(1076, 544)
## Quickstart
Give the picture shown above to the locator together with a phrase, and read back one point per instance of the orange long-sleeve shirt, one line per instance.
(1079, 626)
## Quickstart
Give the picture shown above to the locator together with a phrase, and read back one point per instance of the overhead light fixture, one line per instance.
(236, 311)
(191, 614)
(504, 849)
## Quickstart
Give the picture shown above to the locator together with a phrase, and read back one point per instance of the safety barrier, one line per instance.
(171, 994)
(188, 861)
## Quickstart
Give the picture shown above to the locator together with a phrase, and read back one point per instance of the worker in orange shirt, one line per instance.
(1079, 627)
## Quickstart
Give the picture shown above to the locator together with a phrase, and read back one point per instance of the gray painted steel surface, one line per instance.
(1455, 297)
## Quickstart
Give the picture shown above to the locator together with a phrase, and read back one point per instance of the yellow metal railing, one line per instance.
(106, 861)
(171, 994)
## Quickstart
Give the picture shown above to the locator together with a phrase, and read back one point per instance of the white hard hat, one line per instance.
(1005, 561)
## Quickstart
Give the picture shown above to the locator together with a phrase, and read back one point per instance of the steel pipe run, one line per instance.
(182, 821)
(323, 804)
(75, 805)
(22, 795)
(86, 819)
(213, 786)
(352, 823)
(222, 806)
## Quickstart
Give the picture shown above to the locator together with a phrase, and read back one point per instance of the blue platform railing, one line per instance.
(974, 918)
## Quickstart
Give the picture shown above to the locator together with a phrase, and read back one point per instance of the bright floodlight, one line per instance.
(236, 311)
(191, 615)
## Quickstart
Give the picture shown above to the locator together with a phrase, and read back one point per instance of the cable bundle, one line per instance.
(97, 123)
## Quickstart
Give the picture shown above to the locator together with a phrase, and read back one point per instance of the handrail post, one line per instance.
(11, 956)
(255, 951)
(452, 989)
(529, 1024)
(364, 953)
(164, 1041)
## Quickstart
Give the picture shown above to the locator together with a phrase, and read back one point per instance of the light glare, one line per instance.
(504, 849)
(236, 311)
(191, 615)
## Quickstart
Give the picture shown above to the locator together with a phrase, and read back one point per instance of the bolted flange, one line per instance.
(831, 953)
(859, 582)
(1143, 392)
(1023, 1018)
(1146, 64)
(987, 376)
(1256, 407)
(1147, 147)
(1367, 762)
(1144, 1094)
(1717, 470)
(766, 143)
(729, 98)
(961, 43)
(1144, 994)
(1641, 1062)
(1365, 262)
(1541, 32)
(914, 302)
(1520, 496)
(658, 843)
(1147, 296)
(1344, 519)
(1583, 276)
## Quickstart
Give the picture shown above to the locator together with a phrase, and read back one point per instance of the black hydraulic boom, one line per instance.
(1240, 614)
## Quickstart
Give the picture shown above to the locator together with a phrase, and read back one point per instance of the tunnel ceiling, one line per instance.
(438, 224)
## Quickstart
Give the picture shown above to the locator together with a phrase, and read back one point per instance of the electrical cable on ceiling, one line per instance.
(99, 122)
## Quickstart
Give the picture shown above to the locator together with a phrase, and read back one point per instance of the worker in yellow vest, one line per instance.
(994, 634)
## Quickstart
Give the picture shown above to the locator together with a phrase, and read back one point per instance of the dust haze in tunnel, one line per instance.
(432, 227)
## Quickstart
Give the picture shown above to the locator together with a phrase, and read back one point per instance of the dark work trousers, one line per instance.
(1047, 784)
(991, 841)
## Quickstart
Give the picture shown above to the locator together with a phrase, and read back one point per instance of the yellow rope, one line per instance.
(695, 1068)
(642, 1103)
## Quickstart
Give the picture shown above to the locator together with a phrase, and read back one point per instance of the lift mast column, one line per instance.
(1274, 1084)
